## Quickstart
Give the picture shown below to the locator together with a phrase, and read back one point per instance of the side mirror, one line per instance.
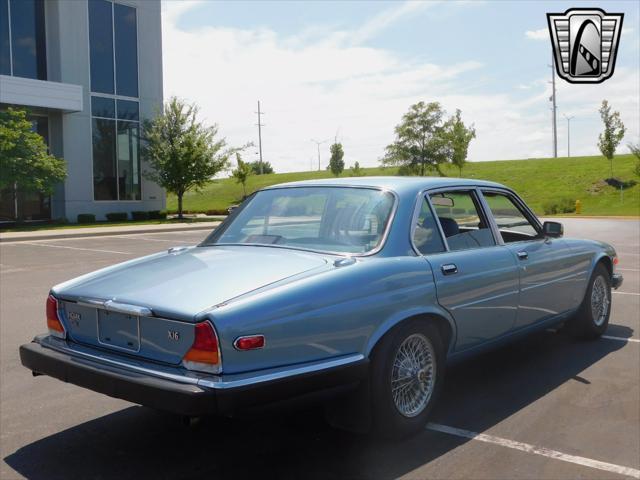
(552, 229)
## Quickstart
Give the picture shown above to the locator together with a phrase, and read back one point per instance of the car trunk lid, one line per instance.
(148, 308)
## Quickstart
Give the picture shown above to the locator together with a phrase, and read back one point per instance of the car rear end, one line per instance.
(127, 352)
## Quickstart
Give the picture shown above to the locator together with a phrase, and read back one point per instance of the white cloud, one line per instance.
(540, 34)
(319, 86)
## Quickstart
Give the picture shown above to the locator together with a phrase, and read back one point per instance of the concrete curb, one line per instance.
(100, 232)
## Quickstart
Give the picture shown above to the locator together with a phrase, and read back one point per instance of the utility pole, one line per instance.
(554, 107)
(318, 143)
(260, 125)
(568, 132)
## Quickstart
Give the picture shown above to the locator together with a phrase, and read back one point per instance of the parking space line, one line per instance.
(528, 448)
(627, 293)
(628, 269)
(131, 237)
(621, 339)
(73, 248)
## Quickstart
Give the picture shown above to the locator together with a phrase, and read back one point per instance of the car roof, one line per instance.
(397, 184)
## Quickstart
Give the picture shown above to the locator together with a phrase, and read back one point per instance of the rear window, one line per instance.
(329, 219)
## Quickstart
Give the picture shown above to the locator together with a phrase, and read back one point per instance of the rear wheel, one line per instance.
(406, 377)
(592, 318)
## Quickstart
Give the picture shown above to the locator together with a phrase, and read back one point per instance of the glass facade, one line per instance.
(5, 46)
(22, 39)
(115, 120)
(101, 45)
(126, 40)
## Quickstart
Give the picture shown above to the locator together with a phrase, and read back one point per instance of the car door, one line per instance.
(547, 274)
(476, 278)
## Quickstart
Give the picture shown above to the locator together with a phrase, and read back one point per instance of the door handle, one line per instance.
(449, 268)
(522, 255)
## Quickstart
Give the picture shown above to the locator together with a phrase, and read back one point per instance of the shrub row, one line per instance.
(124, 216)
(563, 205)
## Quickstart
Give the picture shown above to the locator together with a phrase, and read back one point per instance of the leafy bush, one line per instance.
(140, 215)
(217, 211)
(157, 215)
(117, 216)
(86, 218)
(618, 183)
(555, 207)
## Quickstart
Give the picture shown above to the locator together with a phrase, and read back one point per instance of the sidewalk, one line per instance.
(103, 231)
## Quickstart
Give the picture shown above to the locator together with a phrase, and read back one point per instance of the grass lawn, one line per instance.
(537, 180)
(63, 226)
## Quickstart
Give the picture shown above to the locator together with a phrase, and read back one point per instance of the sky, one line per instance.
(349, 70)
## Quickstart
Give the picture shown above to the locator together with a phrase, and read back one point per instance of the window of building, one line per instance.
(5, 46)
(116, 150)
(113, 46)
(126, 41)
(462, 221)
(22, 39)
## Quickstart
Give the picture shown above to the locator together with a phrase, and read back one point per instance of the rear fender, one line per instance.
(399, 317)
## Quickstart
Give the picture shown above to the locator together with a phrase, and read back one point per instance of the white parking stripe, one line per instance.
(72, 248)
(628, 269)
(621, 339)
(528, 448)
(627, 293)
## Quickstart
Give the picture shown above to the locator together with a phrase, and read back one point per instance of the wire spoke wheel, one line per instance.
(599, 301)
(413, 375)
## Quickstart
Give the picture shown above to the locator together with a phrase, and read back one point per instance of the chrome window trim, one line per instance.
(380, 246)
(426, 192)
(524, 208)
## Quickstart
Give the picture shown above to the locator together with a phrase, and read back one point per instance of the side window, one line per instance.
(513, 224)
(426, 236)
(462, 221)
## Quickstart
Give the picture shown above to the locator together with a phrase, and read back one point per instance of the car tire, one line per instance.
(592, 318)
(404, 388)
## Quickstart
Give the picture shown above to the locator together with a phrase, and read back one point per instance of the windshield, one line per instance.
(328, 219)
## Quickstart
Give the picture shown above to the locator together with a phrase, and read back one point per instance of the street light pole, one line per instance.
(568, 132)
(318, 143)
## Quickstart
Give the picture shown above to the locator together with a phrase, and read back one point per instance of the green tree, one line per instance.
(266, 168)
(420, 143)
(356, 171)
(25, 163)
(613, 133)
(459, 136)
(635, 150)
(241, 173)
(336, 162)
(183, 153)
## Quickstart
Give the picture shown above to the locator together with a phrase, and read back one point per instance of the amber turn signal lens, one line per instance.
(204, 354)
(53, 321)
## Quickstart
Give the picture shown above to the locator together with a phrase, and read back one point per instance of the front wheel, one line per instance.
(592, 318)
(406, 377)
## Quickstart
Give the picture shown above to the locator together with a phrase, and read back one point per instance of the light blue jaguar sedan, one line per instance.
(356, 291)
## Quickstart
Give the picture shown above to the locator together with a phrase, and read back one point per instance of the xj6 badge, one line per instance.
(585, 43)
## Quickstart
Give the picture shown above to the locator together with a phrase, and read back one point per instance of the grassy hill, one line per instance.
(538, 181)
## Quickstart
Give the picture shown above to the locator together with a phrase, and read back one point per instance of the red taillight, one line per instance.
(204, 354)
(615, 260)
(251, 342)
(53, 321)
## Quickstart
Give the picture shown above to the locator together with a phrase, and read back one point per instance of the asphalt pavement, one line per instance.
(547, 407)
